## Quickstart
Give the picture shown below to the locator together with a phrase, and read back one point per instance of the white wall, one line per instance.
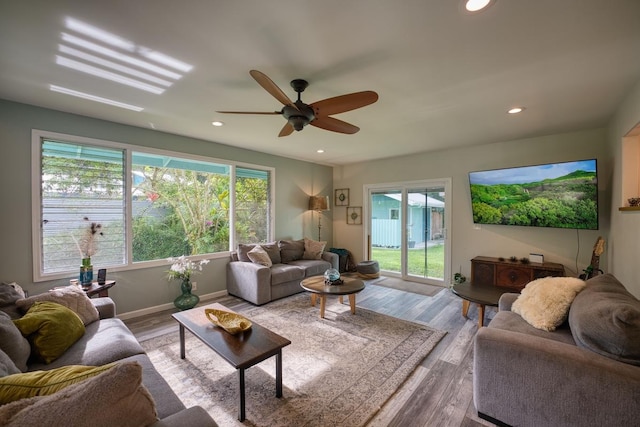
(623, 249)
(557, 245)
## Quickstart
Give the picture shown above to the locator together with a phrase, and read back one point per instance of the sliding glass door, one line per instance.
(407, 229)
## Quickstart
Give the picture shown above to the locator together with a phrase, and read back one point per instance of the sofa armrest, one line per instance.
(334, 259)
(521, 379)
(194, 416)
(506, 301)
(249, 281)
(105, 306)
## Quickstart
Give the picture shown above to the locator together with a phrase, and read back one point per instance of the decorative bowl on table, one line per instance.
(332, 277)
(230, 322)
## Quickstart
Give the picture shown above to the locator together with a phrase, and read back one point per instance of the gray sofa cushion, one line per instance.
(103, 342)
(7, 367)
(605, 318)
(167, 402)
(271, 248)
(510, 321)
(8, 298)
(243, 250)
(312, 267)
(8, 294)
(282, 273)
(13, 343)
(291, 250)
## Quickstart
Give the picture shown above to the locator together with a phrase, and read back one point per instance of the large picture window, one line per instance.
(150, 205)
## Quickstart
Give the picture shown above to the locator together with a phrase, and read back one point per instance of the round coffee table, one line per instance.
(317, 287)
(482, 295)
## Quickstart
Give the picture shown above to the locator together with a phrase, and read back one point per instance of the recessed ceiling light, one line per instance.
(515, 110)
(217, 123)
(477, 5)
(320, 151)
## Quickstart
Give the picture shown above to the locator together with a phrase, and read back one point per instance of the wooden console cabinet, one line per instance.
(509, 274)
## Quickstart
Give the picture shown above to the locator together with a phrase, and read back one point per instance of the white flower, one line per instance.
(182, 268)
(87, 242)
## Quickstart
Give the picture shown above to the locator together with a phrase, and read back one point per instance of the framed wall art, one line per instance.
(354, 215)
(342, 197)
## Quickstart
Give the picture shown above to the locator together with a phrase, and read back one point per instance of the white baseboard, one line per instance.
(163, 307)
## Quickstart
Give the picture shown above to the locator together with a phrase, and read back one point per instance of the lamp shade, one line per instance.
(319, 203)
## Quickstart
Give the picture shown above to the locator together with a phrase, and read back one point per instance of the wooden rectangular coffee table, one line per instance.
(241, 351)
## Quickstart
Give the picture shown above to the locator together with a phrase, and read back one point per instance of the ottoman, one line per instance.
(368, 269)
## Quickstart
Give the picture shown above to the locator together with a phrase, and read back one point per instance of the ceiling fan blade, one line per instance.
(249, 112)
(286, 130)
(342, 103)
(335, 125)
(268, 85)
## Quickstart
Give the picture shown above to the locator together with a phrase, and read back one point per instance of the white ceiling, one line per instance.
(445, 78)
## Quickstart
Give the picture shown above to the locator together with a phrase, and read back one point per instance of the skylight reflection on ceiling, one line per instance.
(110, 64)
(108, 56)
(119, 56)
(98, 34)
(95, 98)
(108, 75)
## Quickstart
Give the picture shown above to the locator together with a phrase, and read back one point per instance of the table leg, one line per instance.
(340, 300)
(313, 300)
(279, 374)
(241, 412)
(480, 315)
(323, 302)
(352, 303)
(182, 352)
(465, 308)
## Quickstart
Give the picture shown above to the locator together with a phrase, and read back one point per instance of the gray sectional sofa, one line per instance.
(585, 373)
(260, 284)
(104, 341)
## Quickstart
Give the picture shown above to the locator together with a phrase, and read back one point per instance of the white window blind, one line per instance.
(81, 184)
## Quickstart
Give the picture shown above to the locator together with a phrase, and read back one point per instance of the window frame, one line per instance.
(36, 199)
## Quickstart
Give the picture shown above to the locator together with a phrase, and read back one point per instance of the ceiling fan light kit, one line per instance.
(298, 114)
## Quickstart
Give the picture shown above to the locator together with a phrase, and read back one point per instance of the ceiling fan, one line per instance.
(299, 114)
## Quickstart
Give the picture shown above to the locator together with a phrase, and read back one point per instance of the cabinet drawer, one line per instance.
(513, 277)
(483, 274)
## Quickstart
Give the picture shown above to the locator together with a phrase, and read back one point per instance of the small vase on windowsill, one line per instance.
(187, 300)
(86, 272)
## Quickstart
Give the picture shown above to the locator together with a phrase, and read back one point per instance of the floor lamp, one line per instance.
(319, 204)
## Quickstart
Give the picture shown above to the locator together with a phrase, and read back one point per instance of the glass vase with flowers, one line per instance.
(86, 244)
(182, 268)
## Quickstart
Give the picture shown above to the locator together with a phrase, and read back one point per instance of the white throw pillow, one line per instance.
(257, 255)
(313, 249)
(72, 297)
(544, 303)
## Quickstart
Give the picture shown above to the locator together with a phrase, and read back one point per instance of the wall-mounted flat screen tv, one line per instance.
(558, 195)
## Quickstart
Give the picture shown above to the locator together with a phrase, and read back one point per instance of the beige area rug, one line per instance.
(338, 371)
(403, 285)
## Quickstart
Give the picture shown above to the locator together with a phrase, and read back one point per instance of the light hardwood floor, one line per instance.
(439, 392)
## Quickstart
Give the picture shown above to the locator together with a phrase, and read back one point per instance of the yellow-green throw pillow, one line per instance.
(41, 383)
(51, 329)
